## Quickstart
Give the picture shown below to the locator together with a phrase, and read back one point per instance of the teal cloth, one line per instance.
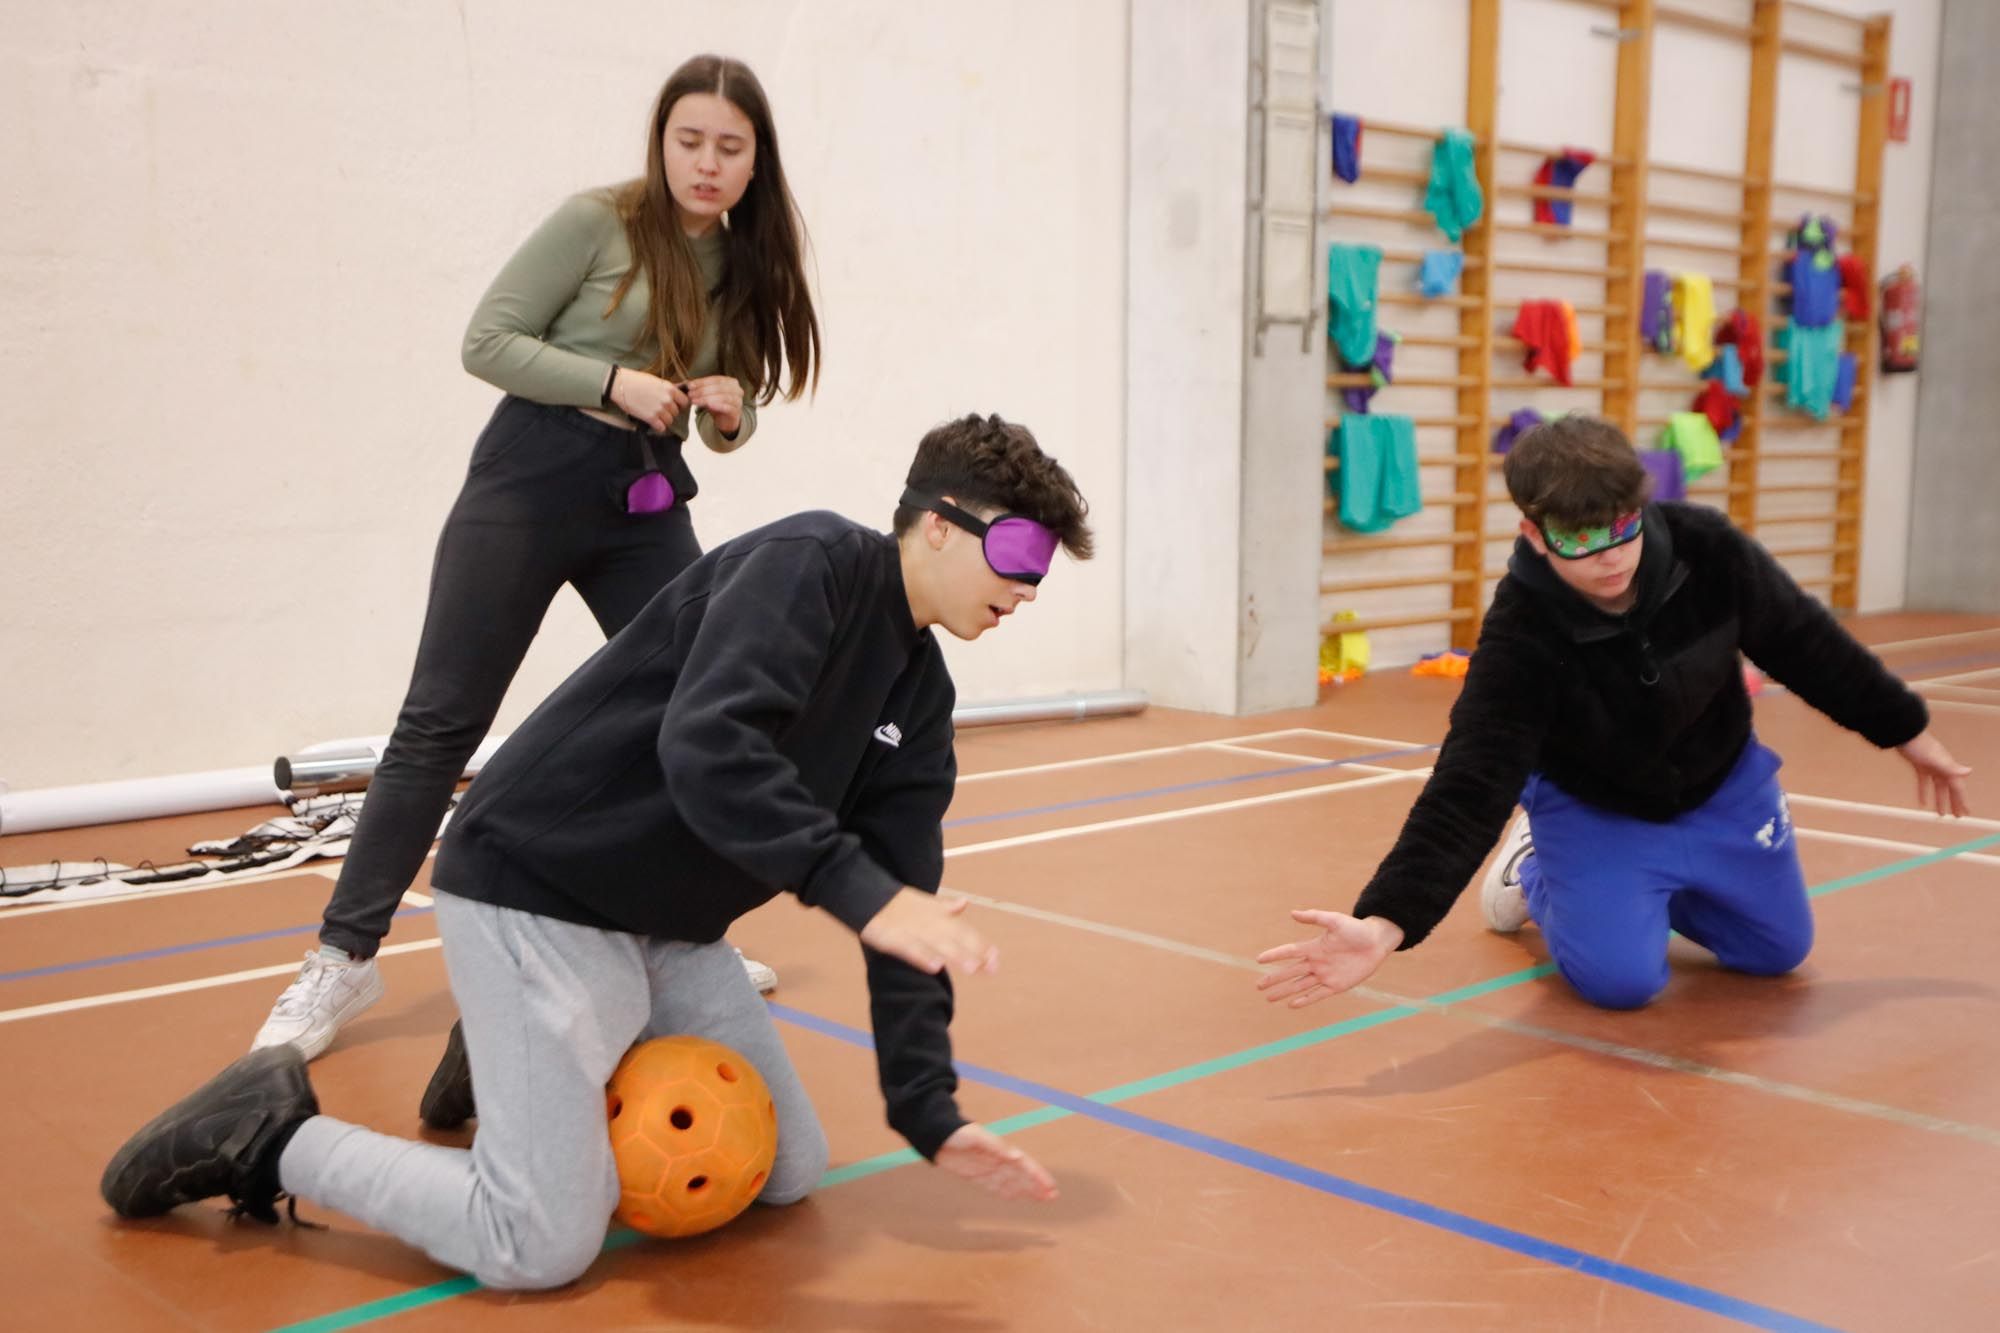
(1811, 365)
(1351, 275)
(1453, 196)
(1692, 436)
(1378, 471)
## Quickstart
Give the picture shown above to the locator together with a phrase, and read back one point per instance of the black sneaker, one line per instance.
(447, 1102)
(222, 1138)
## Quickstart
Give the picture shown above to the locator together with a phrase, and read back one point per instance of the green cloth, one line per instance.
(1351, 277)
(540, 331)
(1811, 365)
(1453, 196)
(1378, 470)
(1692, 436)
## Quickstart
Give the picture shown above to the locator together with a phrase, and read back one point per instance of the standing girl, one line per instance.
(632, 314)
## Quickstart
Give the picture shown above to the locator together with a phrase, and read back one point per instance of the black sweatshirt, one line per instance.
(772, 721)
(1643, 713)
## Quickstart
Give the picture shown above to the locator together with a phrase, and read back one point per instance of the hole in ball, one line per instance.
(681, 1118)
(697, 1184)
(726, 1072)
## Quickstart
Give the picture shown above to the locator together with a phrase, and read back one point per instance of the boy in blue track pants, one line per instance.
(1607, 695)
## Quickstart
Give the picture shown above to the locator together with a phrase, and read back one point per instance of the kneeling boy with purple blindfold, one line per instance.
(776, 720)
(1607, 697)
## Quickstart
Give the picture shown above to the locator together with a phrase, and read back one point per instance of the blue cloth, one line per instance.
(1453, 196)
(1437, 273)
(1347, 148)
(1605, 888)
(1378, 471)
(1814, 273)
(1843, 381)
(1728, 367)
(1352, 272)
(1563, 171)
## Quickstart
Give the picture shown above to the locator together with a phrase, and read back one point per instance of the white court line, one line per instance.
(1268, 754)
(1831, 1101)
(1133, 821)
(1934, 638)
(179, 987)
(1894, 811)
(137, 894)
(1965, 694)
(1961, 706)
(1956, 677)
(1383, 741)
(1119, 756)
(1888, 844)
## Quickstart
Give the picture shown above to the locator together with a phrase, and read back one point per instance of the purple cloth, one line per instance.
(1664, 466)
(1843, 380)
(1516, 426)
(1653, 305)
(1385, 361)
(1347, 148)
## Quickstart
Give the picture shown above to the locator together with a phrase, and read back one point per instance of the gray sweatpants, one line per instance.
(549, 1009)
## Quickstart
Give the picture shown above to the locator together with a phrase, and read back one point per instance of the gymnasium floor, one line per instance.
(1462, 1146)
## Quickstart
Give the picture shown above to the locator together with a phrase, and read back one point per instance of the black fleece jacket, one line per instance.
(771, 722)
(1643, 713)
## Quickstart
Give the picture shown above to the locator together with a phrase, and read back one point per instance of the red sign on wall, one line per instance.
(1899, 110)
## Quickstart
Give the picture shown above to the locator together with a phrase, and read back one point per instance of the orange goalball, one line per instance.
(693, 1132)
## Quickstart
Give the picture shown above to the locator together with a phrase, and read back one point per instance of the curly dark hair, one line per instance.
(1575, 471)
(985, 462)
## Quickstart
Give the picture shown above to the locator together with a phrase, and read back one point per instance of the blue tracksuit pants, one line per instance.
(1605, 888)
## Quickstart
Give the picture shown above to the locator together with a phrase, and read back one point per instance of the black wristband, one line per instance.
(604, 399)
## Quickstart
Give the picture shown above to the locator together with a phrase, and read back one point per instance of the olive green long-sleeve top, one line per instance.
(541, 333)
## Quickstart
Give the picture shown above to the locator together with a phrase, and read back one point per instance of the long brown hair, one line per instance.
(764, 310)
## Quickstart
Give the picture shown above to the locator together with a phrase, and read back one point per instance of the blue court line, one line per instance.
(1318, 766)
(1472, 1228)
(168, 951)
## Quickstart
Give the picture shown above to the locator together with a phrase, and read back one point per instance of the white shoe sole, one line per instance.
(1504, 904)
(314, 1042)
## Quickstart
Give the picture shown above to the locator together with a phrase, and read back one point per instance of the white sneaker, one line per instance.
(1501, 898)
(314, 1008)
(762, 975)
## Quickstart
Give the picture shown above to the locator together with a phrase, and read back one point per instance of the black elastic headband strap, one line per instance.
(916, 499)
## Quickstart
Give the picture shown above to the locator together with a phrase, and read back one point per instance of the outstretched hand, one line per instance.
(925, 931)
(1940, 778)
(1344, 954)
(977, 1154)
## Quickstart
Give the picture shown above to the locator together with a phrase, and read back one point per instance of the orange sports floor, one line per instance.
(1463, 1145)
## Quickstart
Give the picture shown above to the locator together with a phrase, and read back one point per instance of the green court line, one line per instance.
(620, 1237)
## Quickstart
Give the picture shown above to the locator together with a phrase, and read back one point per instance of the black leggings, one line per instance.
(539, 509)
